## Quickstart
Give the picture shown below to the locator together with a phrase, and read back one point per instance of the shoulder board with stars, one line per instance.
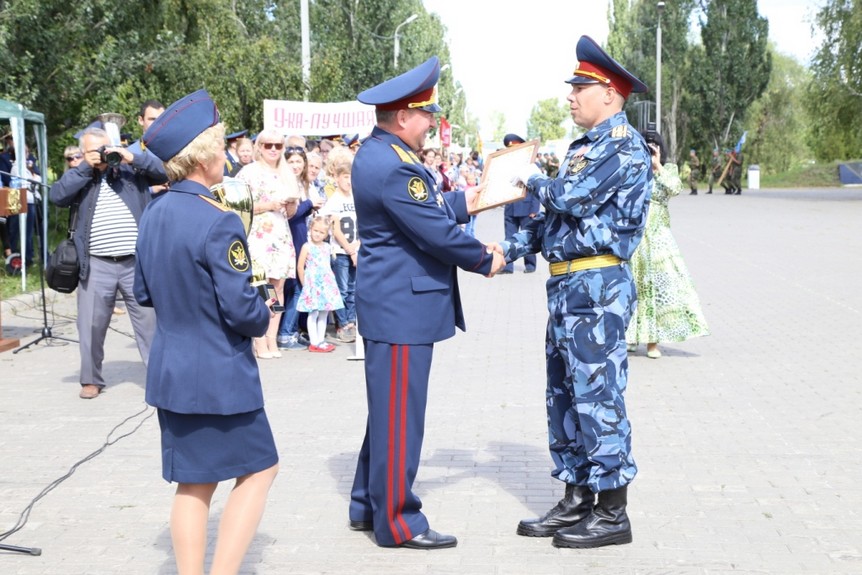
(404, 155)
(214, 203)
(620, 131)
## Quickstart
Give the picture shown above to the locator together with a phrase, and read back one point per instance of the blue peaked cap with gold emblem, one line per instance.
(595, 66)
(182, 122)
(414, 89)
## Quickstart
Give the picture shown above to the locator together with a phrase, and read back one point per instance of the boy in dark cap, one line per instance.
(595, 212)
(406, 300)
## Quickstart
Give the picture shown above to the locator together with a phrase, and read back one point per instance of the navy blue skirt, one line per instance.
(204, 448)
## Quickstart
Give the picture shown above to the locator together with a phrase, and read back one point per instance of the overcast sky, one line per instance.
(508, 56)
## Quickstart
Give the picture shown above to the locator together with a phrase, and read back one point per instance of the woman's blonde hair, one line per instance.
(284, 171)
(202, 150)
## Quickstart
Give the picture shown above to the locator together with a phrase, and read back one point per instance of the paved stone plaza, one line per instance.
(748, 441)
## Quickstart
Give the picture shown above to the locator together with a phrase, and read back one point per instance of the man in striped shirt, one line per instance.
(110, 200)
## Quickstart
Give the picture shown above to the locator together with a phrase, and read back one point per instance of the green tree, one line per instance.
(834, 102)
(546, 120)
(498, 119)
(632, 42)
(731, 71)
(777, 123)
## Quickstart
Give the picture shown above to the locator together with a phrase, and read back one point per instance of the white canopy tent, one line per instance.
(20, 118)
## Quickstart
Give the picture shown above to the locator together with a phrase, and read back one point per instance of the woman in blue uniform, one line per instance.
(193, 268)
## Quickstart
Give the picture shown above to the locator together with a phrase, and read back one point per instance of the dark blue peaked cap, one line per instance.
(182, 122)
(511, 140)
(236, 135)
(595, 66)
(416, 89)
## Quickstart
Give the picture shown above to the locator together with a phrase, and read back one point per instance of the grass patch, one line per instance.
(11, 285)
(810, 176)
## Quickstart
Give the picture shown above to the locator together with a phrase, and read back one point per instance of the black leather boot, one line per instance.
(608, 524)
(575, 506)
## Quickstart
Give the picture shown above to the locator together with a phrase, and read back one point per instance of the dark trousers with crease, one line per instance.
(396, 381)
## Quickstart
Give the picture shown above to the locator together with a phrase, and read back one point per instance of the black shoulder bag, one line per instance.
(61, 274)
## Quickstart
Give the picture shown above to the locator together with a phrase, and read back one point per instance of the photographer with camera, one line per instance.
(110, 188)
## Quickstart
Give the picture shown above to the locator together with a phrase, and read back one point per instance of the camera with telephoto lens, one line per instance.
(113, 159)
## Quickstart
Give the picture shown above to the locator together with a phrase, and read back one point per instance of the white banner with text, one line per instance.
(318, 119)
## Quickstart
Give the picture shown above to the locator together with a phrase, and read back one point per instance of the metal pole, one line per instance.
(660, 7)
(397, 45)
(306, 49)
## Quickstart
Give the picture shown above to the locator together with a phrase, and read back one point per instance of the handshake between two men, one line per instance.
(473, 196)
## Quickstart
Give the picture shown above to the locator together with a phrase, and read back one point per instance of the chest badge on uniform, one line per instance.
(417, 190)
(237, 257)
(577, 167)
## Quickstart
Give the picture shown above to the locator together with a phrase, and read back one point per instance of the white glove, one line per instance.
(525, 173)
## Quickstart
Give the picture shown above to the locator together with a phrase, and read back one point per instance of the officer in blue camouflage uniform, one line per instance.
(406, 300)
(595, 211)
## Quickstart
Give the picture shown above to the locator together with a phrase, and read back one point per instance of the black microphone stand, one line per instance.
(46, 329)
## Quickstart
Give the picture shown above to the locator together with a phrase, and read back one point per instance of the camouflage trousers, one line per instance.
(587, 367)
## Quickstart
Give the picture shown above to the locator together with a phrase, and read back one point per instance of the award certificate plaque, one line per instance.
(500, 168)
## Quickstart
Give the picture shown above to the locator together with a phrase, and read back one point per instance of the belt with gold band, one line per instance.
(592, 262)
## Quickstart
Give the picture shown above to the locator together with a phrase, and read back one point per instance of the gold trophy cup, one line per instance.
(236, 195)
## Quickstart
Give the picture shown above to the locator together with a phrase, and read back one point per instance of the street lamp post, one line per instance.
(397, 46)
(660, 8)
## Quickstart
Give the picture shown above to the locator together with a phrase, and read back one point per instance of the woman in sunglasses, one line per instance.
(73, 157)
(276, 197)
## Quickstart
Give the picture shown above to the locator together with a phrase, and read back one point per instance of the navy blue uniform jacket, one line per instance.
(192, 266)
(411, 246)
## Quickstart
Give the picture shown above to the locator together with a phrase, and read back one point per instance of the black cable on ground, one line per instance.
(25, 514)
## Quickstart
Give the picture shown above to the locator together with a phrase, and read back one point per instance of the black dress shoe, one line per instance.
(430, 540)
(529, 271)
(360, 525)
(504, 271)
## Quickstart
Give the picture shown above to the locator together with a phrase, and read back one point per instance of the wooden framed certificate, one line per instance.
(500, 168)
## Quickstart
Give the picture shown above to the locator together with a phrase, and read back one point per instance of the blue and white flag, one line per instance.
(741, 141)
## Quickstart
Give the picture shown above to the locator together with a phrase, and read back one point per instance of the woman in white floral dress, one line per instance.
(668, 307)
(270, 245)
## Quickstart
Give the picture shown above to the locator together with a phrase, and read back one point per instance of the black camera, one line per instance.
(113, 159)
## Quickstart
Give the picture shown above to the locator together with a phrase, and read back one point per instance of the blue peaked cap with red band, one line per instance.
(182, 122)
(414, 89)
(511, 140)
(595, 66)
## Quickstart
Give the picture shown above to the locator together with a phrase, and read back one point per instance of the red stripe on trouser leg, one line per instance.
(405, 379)
(390, 459)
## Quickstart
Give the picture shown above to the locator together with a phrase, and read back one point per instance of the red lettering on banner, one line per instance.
(294, 121)
(278, 117)
(319, 121)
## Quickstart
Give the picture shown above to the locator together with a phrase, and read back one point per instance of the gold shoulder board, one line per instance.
(213, 202)
(405, 156)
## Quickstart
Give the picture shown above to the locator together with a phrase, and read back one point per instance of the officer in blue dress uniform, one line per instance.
(595, 212)
(406, 300)
(517, 214)
(232, 164)
(193, 268)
